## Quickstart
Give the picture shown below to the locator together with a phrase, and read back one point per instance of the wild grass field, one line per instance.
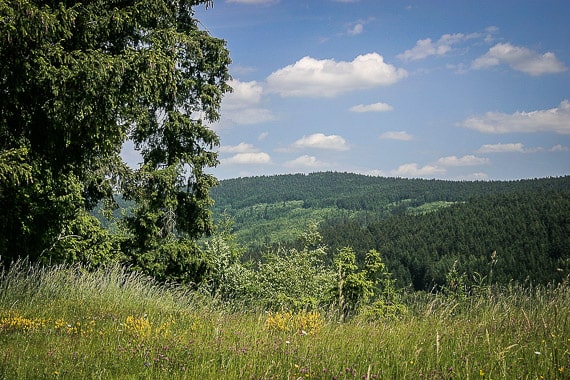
(70, 323)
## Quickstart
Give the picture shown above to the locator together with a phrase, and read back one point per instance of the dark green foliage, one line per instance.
(77, 79)
(84, 241)
(421, 226)
(275, 209)
(350, 191)
(174, 260)
(529, 231)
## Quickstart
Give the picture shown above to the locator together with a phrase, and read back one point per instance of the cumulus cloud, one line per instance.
(413, 170)
(327, 78)
(396, 135)
(240, 148)
(375, 107)
(242, 106)
(501, 148)
(551, 120)
(559, 148)
(469, 160)
(519, 148)
(520, 59)
(248, 158)
(426, 47)
(322, 141)
(305, 161)
(244, 94)
(439, 167)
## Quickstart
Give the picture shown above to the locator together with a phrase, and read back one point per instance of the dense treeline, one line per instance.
(423, 228)
(522, 236)
(360, 192)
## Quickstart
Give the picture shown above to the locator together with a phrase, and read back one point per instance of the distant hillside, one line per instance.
(522, 236)
(422, 228)
(358, 192)
(275, 209)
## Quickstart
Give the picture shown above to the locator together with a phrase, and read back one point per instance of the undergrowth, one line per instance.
(67, 322)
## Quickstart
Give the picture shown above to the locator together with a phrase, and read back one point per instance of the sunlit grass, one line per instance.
(66, 322)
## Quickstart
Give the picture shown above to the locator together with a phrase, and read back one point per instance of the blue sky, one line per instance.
(459, 90)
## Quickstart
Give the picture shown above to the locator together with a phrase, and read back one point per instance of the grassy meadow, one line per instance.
(70, 323)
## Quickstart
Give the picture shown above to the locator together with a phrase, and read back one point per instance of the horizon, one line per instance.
(391, 177)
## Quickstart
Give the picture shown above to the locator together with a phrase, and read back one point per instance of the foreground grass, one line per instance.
(69, 323)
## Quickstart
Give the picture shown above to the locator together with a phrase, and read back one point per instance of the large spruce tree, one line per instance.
(77, 80)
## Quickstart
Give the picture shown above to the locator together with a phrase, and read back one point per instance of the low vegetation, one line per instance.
(68, 322)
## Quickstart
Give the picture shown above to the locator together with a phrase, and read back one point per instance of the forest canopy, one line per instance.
(422, 228)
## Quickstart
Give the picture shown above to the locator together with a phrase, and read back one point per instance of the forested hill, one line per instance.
(361, 192)
(422, 227)
(521, 236)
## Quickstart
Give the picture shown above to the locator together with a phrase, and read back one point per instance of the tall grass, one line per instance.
(68, 322)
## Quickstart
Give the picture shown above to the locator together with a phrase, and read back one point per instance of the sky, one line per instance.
(455, 90)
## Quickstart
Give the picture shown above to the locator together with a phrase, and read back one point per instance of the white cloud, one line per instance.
(356, 29)
(491, 31)
(321, 141)
(521, 59)
(412, 170)
(242, 105)
(240, 148)
(426, 47)
(469, 160)
(305, 161)
(559, 148)
(375, 107)
(372, 172)
(327, 78)
(248, 158)
(519, 148)
(501, 148)
(396, 135)
(551, 120)
(439, 167)
(478, 176)
(244, 94)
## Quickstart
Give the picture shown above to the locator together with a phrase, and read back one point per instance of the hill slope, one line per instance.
(271, 209)
(422, 227)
